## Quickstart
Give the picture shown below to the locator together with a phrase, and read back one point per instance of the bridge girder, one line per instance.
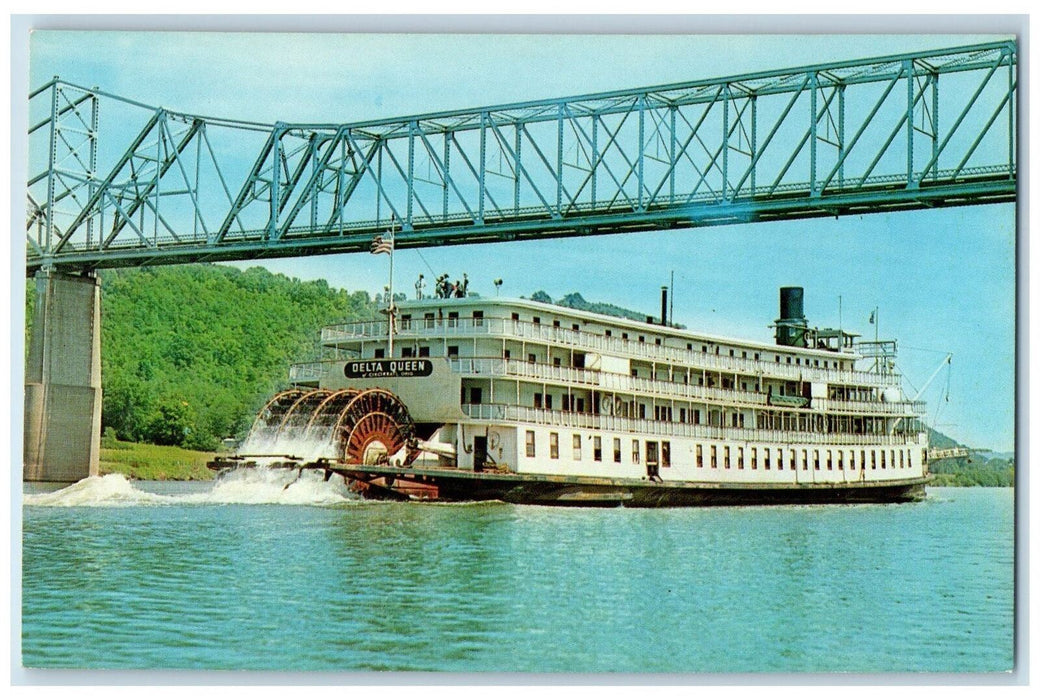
(854, 137)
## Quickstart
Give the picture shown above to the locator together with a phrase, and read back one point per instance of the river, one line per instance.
(245, 573)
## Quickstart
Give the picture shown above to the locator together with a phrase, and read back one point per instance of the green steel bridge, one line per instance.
(116, 183)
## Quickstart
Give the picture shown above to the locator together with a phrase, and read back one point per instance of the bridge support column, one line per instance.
(63, 380)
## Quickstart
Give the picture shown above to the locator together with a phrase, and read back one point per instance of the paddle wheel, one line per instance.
(373, 427)
(338, 432)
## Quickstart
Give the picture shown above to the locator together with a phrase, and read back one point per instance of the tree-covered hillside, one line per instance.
(190, 353)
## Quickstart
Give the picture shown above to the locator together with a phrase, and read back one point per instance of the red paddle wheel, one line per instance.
(373, 427)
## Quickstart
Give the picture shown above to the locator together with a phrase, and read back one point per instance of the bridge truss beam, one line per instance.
(843, 138)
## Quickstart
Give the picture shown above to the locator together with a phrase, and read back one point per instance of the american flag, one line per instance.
(382, 244)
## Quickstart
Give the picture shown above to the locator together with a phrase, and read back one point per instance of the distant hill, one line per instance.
(980, 469)
(574, 300)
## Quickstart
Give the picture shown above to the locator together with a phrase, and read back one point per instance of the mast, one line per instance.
(390, 305)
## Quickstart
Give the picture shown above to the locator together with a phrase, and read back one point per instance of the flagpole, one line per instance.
(390, 307)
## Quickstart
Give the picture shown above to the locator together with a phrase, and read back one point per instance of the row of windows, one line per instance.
(656, 453)
(815, 362)
(430, 319)
(793, 458)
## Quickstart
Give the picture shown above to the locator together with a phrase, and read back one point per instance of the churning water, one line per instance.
(264, 570)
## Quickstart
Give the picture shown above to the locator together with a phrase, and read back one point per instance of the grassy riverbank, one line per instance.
(153, 462)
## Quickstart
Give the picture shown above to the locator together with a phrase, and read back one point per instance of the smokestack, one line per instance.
(791, 326)
(664, 306)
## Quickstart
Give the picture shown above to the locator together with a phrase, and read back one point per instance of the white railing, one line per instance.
(564, 419)
(308, 371)
(621, 383)
(554, 335)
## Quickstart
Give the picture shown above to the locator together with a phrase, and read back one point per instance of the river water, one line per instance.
(248, 574)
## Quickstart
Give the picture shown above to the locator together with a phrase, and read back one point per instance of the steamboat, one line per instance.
(527, 402)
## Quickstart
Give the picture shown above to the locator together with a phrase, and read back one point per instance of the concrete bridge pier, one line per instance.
(63, 380)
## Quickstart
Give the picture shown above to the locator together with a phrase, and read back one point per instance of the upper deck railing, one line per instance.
(434, 329)
(667, 390)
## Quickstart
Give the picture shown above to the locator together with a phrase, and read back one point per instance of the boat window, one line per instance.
(841, 460)
(700, 456)
(624, 336)
(575, 327)
(816, 459)
(805, 460)
(780, 459)
(557, 361)
(515, 317)
(852, 460)
(607, 333)
(657, 341)
(406, 352)
(380, 352)
(424, 351)
(635, 452)
(576, 441)
(530, 443)
(666, 453)
(597, 448)
(505, 354)
(579, 360)
(882, 459)
(531, 357)
(453, 319)
(642, 339)
(873, 459)
(537, 400)
(725, 457)
(548, 401)
(556, 323)
(696, 416)
(428, 319)
(830, 465)
(754, 458)
(704, 348)
(901, 455)
(475, 394)
(731, 352)
(617, 450)
(740, 458)
(765, 458)
(714, 461)
(536, 320)
(554, 445)
(580, 404)
(453, 351)
(651, 452)
(406, 321)
(478, 318)
(689, 346)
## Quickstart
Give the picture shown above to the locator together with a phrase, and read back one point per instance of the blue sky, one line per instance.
(944, 280)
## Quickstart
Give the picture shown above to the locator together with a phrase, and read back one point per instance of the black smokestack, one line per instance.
(664, 306)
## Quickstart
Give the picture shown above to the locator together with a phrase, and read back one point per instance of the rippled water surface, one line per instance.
(247, 574)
